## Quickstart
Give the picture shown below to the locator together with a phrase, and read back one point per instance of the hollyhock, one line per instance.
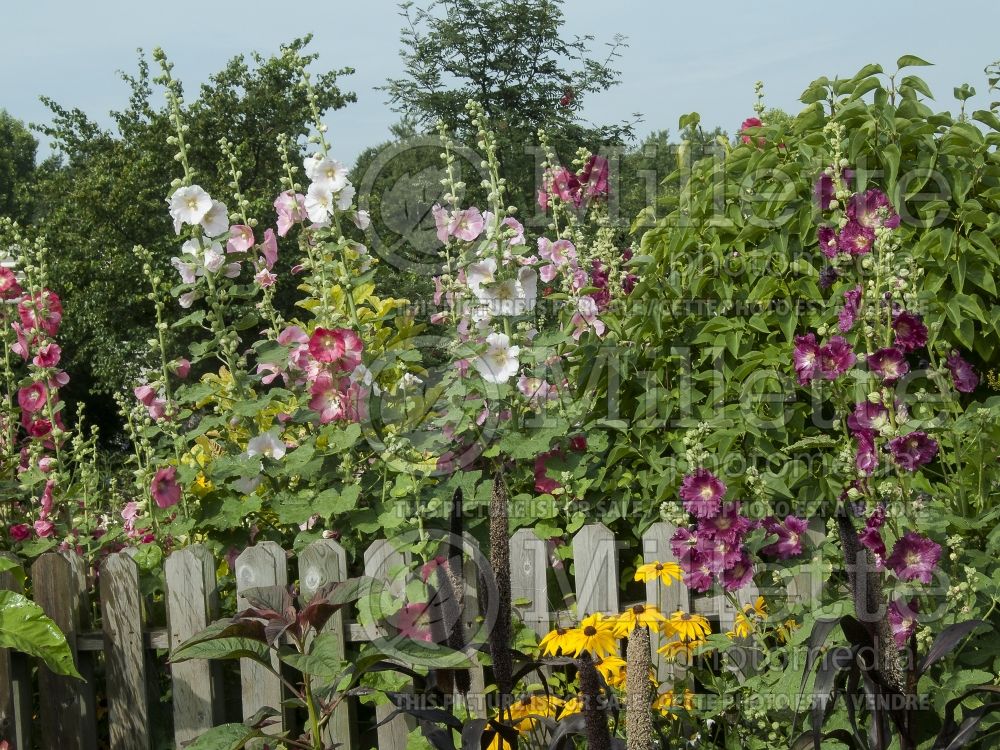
(789, 533)
(329, 398)
(558, 253)
(414, 622)
(835, 358)
(543, 482)
(216, 221)
(855, 239)
(47, 356)
(319, 204)
(9, 288)
(594, 177)
(827, 237)
(683, 543)
(46, 500)
(849, 312)
(265, 278)
(911, 333)
(866, 457)
(340, 345)
(702, 493)
(827, 277)
(889, 364)
(697, 572)
(362, 219)
(751, 122)
(543, 200)
(566, 185)
(728, 525)
(867, 416)
(44, 528)
(585, 318)
(441, 221)
(903, 620)
(806, 358)
(914, 450)
(20, 532)
(327, 173)
(871, 538)
(345, 197)
(824, 191)
(188, 205)
(42, 311)
(873, 209)
(578, 443)
(269, 249)
(479, 274)
(717, 554)
(145, 394)
(962, 374)
(466, 225)
(516, 230)
(181, 368)
(499, 363)
(267, 444)
(291, 209)
(914, 557)
(241, 239)
(32, 398)
(186, 270)
(738, 575)
(164, 488)
(536, 390)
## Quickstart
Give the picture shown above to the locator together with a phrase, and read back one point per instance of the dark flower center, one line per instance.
(590, 631)
(639, 609)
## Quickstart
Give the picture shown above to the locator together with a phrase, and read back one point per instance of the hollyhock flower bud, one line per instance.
(164, 488)
(182, 367)
(914, 557)
(962, 374)
(145, 394)
(913, 450)
(44, 528)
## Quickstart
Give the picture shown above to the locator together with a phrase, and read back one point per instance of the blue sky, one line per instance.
(684, 57)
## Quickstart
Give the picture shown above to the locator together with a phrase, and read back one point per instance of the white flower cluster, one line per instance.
(329, 188)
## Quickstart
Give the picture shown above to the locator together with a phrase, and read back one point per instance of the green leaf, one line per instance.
(25, 627)
(12, 566)
(911, 61)
(225, 737)
(223, 648)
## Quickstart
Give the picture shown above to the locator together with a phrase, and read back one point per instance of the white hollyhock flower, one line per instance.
(345, 197)
(362, 219)
(478, 274)
(247, 485)
(329, 174)
(309, 165)
(501, 297)
(499, 363)
(188, 205)
(188, 271)
(527, 278)
(214, 257)
(216, 221)
(319, 203)
(363, 375)
(267, 444)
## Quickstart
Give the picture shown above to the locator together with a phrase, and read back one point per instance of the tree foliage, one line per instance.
(17, 167)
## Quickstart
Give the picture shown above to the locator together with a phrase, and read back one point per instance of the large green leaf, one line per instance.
(25, 627)
(225, 737)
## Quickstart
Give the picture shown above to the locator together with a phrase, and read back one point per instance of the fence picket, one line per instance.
(66, 705)
(596, 558)
(263, 566)
(192, 603)
(529, 563)
(323, 562)
(668, 599)
(15, 683)
(125, 654)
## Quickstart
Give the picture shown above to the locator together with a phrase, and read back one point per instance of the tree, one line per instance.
(514, 58)
(17, 167)
(106, 192)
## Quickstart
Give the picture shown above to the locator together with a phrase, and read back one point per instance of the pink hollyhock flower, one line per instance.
(441, 222)
(849, 312)
(43, 311)
(889, 364)
(291, 209)
(585, 318)
(566, 185)
(517, 230)
(20, 532)
(559, 253)
(341, 345)
(751, 122)
(789, 533)
(728, 525)
(48, 356)
(536, 390)
(292, 335)
(866, 457)
(39, 428)
(182, 368)
(265, 278)
(31, 398)
(467, 225)
(806, 358)
(855, 239)
(873, 209)
(578, 443)
(23, 346)
(962, 374)
(328, 398)
(44, 528)
(702, 493)
(414, 622)
(164, 488)
(871, 538)
(145, 394)
(827, 237)
(868, 417)
(46, 464)
(594, 177)
(9, 288)
(428, 568)
(543, 200)
(914, 557)
(911, 333)
(157, 409)
(914, 450)
(835, 358)
(697, 572)
(543, 482)
(739, 575)
(903, 620)
(130, 512)
(241, 239)
(269, 249)
(46, 501)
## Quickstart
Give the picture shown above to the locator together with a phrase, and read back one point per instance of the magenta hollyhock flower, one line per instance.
(543, 482)
(889, 364)
(414, 622)
(873, 209)
(914, 450)
(849, 312)
(20, 532)
(326, 345)
(868, 416)
(269, 249)
(806, 358)
(728, 525)
(855, 239)
(835, 358)
(717, 554)
(164, 488)
(914, 557)
(43, 311)
(566, 185)
(683, 543)
(866, 457)
(911, 333)
(962, 374)
(872, 540)
(751, 122)
(827, 277)
(903, 620)
(329, 398)
(31, 398)
(594, 177)
(48, 355)
(738, 575)
(9, 288)
(697, 572)
(824, 191)
(702, 493)
(827, 237)
(789, 533)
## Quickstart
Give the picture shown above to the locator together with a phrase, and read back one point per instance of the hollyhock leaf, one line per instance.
(332, 502)
(25, 627)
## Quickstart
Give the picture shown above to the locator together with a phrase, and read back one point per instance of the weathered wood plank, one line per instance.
(323, 562)
(125, 654)
(192, 604)
(596, 562)
(380, 560)
(15, 683)
(263, 566)
(668, 599)
(529, 565)
(66, 705)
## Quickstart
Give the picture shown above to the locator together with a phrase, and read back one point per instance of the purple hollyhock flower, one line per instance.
(889, 364)
(789, 532)
(913, 450)
(868, 417)
(827, 277)
(911, 333)
(824, 191)
(962, 374)
(873, 209)
(835, 358)
(827, 241)
(849, 312)
(914, 557)
(855, 239)
(739, 574)
(697, 573)
(806, 358)
(717, 554)
(702, 493)
(728, 525)
(683, 543)
(872, 540)
(903, 620)
(866, 458)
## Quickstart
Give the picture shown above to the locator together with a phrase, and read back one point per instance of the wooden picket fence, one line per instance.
(127, 641)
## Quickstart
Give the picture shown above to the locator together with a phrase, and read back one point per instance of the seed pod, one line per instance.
(638, 693)
(595, 716)
(500, 640)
